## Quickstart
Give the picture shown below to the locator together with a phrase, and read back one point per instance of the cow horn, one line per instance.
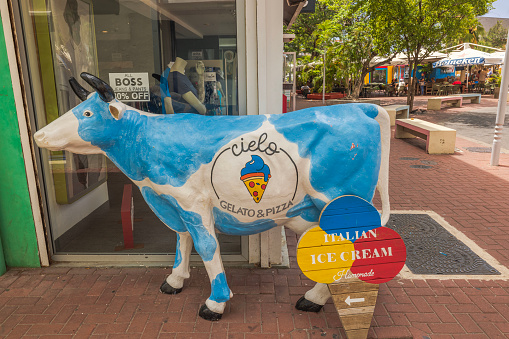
(156, 76)
(163, 83)
(78, 89)
(103, 89)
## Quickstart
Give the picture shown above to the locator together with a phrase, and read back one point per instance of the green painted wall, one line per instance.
(17, 230)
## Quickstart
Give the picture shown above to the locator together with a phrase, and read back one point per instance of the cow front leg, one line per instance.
(175, 281)
(207, 246)
(314, 299)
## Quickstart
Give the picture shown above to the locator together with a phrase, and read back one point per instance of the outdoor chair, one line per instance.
(437, 89)
(429, 89)
(374, 89)
(456, 89)
(390, 90)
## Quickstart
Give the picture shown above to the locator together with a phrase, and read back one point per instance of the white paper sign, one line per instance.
(130, 87)
(210, 76)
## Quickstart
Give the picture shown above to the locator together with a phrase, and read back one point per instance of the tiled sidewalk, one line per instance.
(470, 195)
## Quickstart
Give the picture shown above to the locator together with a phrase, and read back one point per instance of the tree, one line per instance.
(341, 30)
(421, 27)
(475, 34)
(307, 32)
(352, 40)
(497, 36)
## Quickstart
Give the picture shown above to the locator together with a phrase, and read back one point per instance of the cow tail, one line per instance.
(383, 176)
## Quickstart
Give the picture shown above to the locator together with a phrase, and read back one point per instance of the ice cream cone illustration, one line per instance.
(255, 175)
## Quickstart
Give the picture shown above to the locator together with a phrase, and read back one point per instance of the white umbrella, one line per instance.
(496, 58)
(434, 57)
(385, 61)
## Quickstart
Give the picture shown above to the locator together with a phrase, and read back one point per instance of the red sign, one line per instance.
(380, 258)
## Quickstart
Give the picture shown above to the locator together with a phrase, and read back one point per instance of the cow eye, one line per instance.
(88, 114)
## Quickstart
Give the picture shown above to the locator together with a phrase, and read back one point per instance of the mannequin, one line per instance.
(197, 77)
(179, 83)
(214, 97)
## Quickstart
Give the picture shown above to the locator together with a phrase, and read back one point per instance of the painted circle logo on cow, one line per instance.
(264, 187)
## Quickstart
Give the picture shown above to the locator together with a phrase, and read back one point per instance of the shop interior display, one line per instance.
(181, 88)
(199, 92)
(239, 175)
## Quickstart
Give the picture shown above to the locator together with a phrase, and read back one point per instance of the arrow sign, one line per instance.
(349, 300)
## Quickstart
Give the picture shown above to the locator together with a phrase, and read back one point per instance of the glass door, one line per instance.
(131, 45)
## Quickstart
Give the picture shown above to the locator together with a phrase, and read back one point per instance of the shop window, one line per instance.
(138, 47)
(380, 75)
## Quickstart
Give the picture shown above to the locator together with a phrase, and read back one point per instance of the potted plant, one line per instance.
(496, 79)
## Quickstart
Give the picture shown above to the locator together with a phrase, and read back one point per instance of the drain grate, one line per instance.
(431, 249)
(420, 166)
(479, 149)
(408, 158)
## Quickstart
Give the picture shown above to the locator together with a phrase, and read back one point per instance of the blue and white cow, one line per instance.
(237, 175)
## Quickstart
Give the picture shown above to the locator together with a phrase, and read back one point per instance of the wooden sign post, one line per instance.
(352, 253)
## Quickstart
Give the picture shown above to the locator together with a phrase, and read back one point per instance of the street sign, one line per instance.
(129, 87)
(353, 253)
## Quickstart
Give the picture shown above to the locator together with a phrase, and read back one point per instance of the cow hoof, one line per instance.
(207, 314)
(167, 289)
(307, 306)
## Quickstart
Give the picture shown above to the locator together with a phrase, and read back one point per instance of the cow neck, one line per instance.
(127, 146)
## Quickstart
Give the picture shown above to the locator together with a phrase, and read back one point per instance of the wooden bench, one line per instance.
(439, 139)
(436, 103)
(475, 98)
(397, 111)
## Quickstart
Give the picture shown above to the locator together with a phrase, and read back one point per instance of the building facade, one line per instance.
(60, 206)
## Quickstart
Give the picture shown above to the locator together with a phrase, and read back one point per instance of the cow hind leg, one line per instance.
(174, 283)
(315, 298)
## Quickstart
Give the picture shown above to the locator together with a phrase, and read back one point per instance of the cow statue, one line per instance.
(237, 175)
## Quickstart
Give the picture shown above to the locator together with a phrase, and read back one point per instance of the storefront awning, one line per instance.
(291, 9)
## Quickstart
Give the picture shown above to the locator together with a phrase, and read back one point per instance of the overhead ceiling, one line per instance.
(193, 18)
(198, 18)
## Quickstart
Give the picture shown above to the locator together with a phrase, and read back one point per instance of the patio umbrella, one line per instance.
(435, 56)
(496, 58)
(385, 61)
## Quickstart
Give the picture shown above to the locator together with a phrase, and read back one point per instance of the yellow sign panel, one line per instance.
(323, 260)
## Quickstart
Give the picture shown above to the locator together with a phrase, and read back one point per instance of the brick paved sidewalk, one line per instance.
(470, 195)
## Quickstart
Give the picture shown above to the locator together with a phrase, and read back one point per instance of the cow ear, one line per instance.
(117, 110)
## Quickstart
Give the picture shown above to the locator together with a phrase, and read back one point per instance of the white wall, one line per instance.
(261, 28)
(64, 217)
(270, 56)
(263, 43)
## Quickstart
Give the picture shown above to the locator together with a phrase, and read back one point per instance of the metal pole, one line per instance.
(501, 108)
(468, 76)
(323, 85)
(294, 88)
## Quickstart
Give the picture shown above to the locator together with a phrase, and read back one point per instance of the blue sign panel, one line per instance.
(459, 62)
